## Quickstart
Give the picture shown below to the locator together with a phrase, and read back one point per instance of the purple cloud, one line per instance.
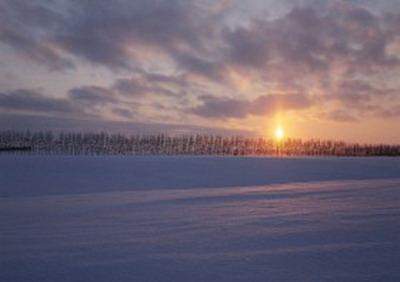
(222, 108)
(33, 101)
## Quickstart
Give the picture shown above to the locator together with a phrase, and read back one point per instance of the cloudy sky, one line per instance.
(320, 69)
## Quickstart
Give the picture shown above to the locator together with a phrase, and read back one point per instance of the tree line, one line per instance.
(103, 143)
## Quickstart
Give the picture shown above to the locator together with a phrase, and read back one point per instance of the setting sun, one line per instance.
(279, 133)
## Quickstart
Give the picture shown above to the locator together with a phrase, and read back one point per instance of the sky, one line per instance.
(318, 69)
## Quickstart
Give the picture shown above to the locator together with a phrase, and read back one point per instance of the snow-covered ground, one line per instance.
(199, 219)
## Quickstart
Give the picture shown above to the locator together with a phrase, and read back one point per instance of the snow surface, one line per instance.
(178, 219)
(45, 175)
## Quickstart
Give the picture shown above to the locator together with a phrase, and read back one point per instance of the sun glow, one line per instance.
(279, 133)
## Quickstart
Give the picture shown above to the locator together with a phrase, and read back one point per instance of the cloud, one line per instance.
(361, 95)
(27, 28)
(248, 46)
(132, 87)
(124, 113)
(80, 102)
(212, 70)
(92, 95)
(269, 104)
(96, 124)
(145, 83)
(222, 108)
(33, 101)
(99, 32)
(33, 50)
(214, 107)
(111, 35)
(353, 92)
(309, 40)
(340, 116)
(392, 112)
(331, 49)
(306, 39)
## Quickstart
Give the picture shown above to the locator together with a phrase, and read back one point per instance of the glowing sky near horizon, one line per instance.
(319, 69)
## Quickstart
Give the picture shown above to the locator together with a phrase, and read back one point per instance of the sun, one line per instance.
(279, 133)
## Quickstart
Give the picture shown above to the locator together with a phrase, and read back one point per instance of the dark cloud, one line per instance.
(33, 101)
(131, 87)
(109, 34)
(27, 27)
(81, 102)
(307, 39)
(222, 108)
(101, 32)
(34, 122)
(352, 92)
(145, 83)
(213, 70)
(92, 95)
(360, 95)
(124, 113)
(248, 46)
(214, 107)
(166, 79)
(33, 50)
